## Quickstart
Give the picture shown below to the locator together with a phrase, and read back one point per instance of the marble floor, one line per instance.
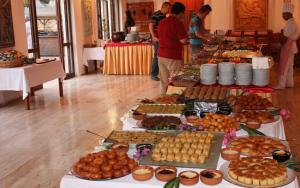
(38, 147)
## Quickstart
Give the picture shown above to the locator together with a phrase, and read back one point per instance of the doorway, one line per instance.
(49, 33)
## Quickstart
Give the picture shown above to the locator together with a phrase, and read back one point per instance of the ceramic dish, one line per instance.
(230, 153)
(143, 173)
(189, 177)
(165, 173)
(211, 177)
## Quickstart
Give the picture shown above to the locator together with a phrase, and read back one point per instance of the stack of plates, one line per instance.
(243, 73)
(261, 77)
(226, 73)
(208, 74)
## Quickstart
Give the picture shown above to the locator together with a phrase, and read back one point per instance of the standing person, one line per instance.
(156, 18)
(171, 35)
(197, 31)
(289, 49)
(129, 22)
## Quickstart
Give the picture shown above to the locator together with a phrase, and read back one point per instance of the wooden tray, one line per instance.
(210, 163)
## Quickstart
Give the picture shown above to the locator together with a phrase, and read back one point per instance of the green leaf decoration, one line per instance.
(251, 132)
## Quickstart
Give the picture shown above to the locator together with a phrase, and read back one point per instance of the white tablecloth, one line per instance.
(26, 77)
(275, 129)
(96, 53)
(128, 182)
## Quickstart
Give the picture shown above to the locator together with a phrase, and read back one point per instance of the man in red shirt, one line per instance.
(171, 35)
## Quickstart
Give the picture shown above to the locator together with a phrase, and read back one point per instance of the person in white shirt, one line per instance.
(289, 49)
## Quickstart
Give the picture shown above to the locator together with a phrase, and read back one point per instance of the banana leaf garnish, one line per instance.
(251, 132)
(294, 165)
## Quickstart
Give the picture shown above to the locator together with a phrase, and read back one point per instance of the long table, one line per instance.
(131, 59)
(275, 129)
(26, 77)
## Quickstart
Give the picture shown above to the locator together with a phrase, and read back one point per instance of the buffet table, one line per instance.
(128, 59)
(26, 77)
(69, 181)
(275, 129)
(131, 59)
(128, 182)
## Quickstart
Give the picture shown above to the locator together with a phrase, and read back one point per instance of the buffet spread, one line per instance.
(205, 134)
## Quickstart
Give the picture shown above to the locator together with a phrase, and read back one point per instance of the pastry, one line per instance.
(216, 123)
(217, 93)
(161, 122)
(136, 137)
(189, 148)
(257, 171)
(160, 108)
(257, 145)
(103, 165)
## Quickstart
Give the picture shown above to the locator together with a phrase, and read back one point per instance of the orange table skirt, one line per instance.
(132, 59)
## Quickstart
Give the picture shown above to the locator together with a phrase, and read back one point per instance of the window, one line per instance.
(108, 18)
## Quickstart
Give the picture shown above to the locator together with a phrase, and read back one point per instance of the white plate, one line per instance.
(224, 168)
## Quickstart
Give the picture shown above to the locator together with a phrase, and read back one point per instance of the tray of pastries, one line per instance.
(169, 99)
(248, 102)
(186, 149)
(104, 165)
(216, 123)
(257, 172)
(160, 108)
(240, 54)
(257, 145)
(216, 93)
(260, 116)
(160, 122)
(135, 137)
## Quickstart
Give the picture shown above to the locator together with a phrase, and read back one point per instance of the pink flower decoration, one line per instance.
(228, 137)
(285, 114)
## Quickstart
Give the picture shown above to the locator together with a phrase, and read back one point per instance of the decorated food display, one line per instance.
(257, 171)
(216, 123)
(206, 93)
(248, 102)
(195, 129)
(161, 122)
(136, 137)
(160, 108)
(104, 165)
(257, 145)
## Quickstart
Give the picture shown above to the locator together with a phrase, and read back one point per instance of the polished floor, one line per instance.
(38, 147)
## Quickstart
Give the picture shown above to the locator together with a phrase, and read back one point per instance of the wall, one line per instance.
(79, 38)
(123, 5)
(222, 15)
(17, 7)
